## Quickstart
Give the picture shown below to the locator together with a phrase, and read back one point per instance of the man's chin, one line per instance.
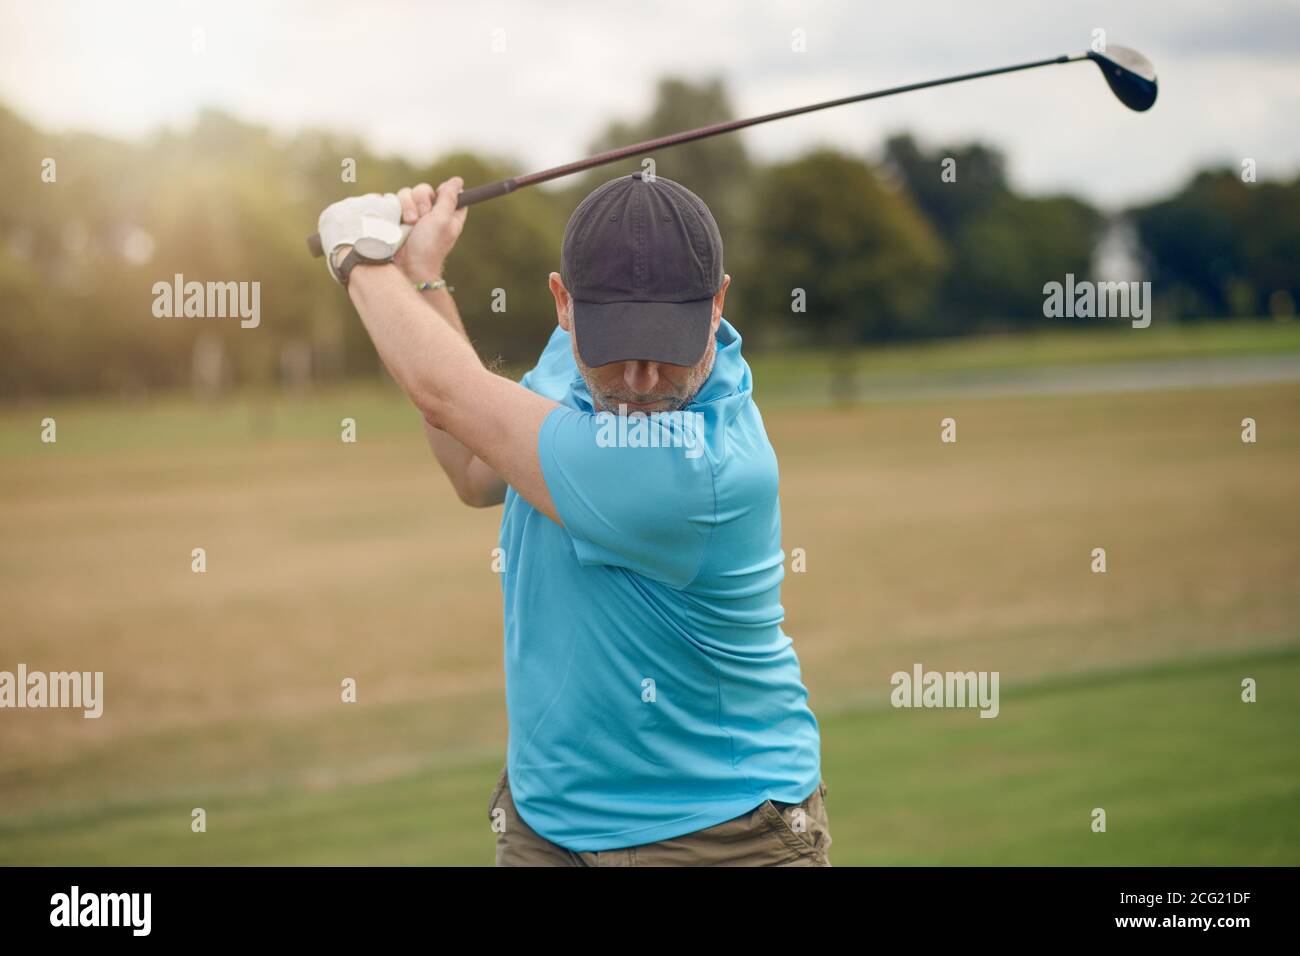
(623, 407)
(660, 406)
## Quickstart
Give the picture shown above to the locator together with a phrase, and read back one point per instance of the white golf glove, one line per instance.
(370, 216)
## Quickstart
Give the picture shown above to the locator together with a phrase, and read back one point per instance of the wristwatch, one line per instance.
(366, 251)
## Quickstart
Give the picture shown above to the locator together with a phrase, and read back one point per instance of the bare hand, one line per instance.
(438, 224)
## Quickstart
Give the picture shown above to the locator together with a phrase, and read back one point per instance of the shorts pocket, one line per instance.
(803, 827)
(779, 823)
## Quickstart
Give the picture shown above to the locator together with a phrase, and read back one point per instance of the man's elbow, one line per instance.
(479, 497)
(432, 406)
(469, 495)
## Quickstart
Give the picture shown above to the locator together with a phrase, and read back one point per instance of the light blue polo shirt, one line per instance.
(650, 689)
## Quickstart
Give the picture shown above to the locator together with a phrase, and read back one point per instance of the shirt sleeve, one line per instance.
(624, 502)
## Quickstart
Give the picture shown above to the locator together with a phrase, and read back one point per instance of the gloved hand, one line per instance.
(369, 216)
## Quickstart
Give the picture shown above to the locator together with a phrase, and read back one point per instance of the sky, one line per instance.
(535, 82)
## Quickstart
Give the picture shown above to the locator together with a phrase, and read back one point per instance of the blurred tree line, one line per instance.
(828, 249)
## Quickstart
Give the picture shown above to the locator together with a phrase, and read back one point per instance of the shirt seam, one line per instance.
(704, 551)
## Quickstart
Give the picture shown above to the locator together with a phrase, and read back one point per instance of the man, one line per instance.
(657, 713)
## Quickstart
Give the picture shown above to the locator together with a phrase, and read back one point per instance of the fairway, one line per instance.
(328, 560)
(1187, 774)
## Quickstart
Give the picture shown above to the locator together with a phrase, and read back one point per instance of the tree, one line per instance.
(1004, 247)
(1003, 255)
(860, 255)
(950, 183)
(1223, 247)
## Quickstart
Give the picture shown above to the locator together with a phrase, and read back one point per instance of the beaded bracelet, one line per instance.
(430, 286)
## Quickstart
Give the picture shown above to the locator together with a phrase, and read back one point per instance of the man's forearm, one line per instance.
(427, 357)
(444, 304)
(475, 483)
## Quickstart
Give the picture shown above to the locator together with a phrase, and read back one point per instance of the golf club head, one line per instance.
(1129, 74)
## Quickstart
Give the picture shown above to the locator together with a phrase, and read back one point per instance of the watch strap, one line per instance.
(354, 259)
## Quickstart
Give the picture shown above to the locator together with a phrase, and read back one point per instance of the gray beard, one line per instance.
(609, 401)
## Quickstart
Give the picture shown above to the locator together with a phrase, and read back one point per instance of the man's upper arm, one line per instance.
(499, 421)
(646, 503)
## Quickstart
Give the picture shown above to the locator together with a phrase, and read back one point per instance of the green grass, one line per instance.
(1186, 772)
(1056, 347)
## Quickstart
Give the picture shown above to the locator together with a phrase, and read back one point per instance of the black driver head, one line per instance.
(1130, 75)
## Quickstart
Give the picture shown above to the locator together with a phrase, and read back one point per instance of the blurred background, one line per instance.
(204, 139)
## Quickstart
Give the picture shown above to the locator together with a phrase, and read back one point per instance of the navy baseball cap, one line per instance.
(642, 259)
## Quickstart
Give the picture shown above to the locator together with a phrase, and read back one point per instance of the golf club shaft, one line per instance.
(477, 194)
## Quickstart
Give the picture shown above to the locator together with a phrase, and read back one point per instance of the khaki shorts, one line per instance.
(772, 834)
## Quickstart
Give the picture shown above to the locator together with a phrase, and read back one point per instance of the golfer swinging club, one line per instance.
(657, 712)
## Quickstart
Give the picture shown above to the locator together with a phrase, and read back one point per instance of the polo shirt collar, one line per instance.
(730, 372)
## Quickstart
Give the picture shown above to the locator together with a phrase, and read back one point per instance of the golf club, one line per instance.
(1130, 75)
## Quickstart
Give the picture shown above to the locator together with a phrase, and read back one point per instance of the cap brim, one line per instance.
(676, 333)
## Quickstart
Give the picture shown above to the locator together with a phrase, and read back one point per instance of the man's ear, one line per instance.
(718, 299)
(563, 304)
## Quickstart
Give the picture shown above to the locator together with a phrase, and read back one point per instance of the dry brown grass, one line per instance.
(328, 560)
